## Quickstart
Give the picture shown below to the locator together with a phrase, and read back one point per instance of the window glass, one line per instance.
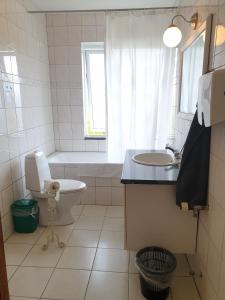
(94, 89)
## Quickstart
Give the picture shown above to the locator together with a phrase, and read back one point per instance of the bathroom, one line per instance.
(44, 56)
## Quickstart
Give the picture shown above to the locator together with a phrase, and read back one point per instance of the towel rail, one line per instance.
(198, 208)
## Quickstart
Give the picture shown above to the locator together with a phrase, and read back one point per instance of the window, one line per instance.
(93, 67)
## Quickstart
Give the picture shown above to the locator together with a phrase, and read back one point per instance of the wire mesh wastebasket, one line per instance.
(156, 266)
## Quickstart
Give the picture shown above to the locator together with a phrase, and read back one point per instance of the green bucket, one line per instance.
(25, 213)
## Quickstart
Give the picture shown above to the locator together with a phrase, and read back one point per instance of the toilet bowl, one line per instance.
(36, 172)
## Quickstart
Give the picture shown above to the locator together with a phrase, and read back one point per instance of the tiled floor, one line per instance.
(92, 266)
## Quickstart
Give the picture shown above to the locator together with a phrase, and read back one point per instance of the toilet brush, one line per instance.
(52, 189)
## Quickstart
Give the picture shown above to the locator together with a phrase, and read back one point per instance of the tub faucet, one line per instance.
(177, 154)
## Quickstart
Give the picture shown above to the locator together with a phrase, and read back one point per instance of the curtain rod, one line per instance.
(99, 10)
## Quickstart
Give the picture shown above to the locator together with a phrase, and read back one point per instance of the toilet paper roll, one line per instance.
(53, 188)
(184, 206)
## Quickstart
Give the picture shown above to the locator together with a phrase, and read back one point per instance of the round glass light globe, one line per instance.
(172, 36)
(220, 35)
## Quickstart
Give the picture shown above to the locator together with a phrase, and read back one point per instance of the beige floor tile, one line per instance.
(114, 260)
(113, 224)
(84, 238)
(76, 210)
(115, 212)
(26, 238)
(94, 210)
(63, 232)
(132, 258)
(11, 270)
(183, 268)
(107, 285)
(67, 284)
(15, 253)
(29, 282)
(77, 258)
(184, 288)
(135, 288)
(111, 239)
(39, 258)
(89, 222)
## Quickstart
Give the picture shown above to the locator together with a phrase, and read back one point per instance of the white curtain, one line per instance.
(140, 80)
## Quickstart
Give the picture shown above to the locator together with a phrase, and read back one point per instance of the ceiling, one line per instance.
(67, 5)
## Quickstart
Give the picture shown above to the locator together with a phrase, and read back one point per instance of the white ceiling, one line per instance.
(66, 5)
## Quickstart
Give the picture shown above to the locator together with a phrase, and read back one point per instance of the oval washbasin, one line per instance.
(154, 159)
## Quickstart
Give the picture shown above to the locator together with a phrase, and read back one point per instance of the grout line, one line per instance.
(128, 275)
(37, 243)
(53, 271)
(89, 279)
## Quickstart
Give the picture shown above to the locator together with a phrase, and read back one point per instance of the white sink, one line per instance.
(155, 159)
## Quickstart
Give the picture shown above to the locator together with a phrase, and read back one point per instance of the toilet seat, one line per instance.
(70, 186)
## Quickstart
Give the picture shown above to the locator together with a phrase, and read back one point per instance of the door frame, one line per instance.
(4, 290)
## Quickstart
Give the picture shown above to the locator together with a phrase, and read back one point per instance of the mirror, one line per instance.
(194, 63)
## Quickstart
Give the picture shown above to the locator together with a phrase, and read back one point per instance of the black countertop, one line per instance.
(134, 173)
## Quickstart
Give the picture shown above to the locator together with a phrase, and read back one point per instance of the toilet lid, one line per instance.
(69, 185)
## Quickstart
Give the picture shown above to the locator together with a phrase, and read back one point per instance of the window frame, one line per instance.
(88, 48)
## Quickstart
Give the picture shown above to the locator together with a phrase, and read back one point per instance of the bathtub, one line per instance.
(99, 171)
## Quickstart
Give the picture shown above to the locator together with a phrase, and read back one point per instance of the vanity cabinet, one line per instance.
(152, 218)
(151, 215)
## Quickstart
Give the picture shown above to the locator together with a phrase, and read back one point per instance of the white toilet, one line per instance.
(36, 172)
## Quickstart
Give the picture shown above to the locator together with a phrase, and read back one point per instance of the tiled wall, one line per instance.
(209, 263)
(65, 34)
(100, 190)
(25, 103)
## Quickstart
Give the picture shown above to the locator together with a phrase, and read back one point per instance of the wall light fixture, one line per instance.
(173, 35)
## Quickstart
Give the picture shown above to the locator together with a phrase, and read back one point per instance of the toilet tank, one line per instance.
(36, 171)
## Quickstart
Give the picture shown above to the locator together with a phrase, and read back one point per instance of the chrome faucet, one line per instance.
(177, 153)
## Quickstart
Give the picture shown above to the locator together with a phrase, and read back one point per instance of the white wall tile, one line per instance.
(74, 35)
(89, 34)
(65, 34)
(60, 36)
(25, 104)
(118, 196)
(90, 181)
(88, 19)
(72, 173)
(88, 196)
(78, 145)
(61, 55)
(77, 114)
(58, 19)
(65, 131)
(7, 199)
(57, 172)
(63, 97)
(5, 175)
(64, 114)
(74, 55)
(103, 181)
(74, 19)
(16, 169)
(91, 145)
(103, 195)
(76, 97)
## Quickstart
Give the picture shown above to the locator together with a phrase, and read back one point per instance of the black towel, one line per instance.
(192, 182)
